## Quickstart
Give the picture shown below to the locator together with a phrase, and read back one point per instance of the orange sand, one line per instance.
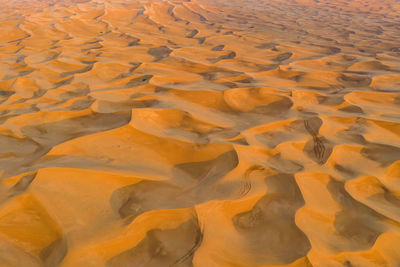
(205, 133)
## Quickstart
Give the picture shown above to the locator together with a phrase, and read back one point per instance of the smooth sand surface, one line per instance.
(205, 133)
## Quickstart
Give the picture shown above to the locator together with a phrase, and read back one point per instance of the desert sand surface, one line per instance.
(205, 133)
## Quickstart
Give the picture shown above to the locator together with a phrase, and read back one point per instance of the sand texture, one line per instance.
(204, 133)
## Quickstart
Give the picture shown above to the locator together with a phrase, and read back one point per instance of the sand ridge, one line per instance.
(199, 133)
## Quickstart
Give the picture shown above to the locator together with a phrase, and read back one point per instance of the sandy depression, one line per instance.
(202, 133)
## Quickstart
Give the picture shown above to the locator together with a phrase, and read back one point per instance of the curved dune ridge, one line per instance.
(205, 133)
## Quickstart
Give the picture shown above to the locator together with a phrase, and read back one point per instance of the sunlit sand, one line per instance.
(205, 133)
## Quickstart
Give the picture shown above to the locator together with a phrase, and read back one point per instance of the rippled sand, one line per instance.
(199, 133)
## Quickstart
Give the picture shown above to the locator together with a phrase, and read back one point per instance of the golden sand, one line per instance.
(205, 133)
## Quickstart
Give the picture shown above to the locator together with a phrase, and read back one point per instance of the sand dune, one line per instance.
(199, 133)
